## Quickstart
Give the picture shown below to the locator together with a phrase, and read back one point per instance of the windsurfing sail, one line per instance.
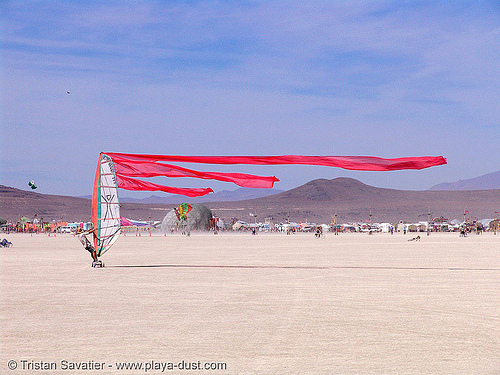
(105, 205)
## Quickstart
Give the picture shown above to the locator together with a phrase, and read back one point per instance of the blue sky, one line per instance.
(382, 78)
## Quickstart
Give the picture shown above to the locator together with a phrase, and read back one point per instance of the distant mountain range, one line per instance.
(485, 182)
(317, 201)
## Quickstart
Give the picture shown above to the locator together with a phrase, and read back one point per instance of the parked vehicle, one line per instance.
(65, 229)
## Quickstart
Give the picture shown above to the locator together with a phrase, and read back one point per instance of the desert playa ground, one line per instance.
(265, 304)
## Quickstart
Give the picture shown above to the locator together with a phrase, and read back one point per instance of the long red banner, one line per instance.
(359, 163)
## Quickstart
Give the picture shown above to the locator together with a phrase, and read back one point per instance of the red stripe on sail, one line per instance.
(94, 200)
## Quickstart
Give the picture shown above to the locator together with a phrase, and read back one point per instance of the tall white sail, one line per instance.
(105, 205)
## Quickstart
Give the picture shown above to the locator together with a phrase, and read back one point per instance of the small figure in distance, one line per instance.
(5, 243)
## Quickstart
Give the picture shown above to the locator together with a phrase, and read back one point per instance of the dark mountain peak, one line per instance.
(340, 182)
(328, 190)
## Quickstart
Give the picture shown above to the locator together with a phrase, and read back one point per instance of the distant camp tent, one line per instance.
(494, 225)
(3, 221)
(417, 227)
(400, 227)
(486, 223)
(385, 227)
(240, 225)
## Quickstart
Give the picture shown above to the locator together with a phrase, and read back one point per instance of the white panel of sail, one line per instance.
(107, 207)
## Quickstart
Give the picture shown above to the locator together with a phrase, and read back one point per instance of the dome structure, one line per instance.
(198, 218)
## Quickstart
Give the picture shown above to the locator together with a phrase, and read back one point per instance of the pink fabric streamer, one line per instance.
(137, 165)
(133, 184)
(359, 163)
(151, 169)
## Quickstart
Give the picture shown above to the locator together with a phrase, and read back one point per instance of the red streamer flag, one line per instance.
(151, 169)
(133, 184)
(358, 163)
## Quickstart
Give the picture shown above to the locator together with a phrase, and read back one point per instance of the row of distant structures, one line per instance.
(292, 227)
(422, 226)
(201, 218)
